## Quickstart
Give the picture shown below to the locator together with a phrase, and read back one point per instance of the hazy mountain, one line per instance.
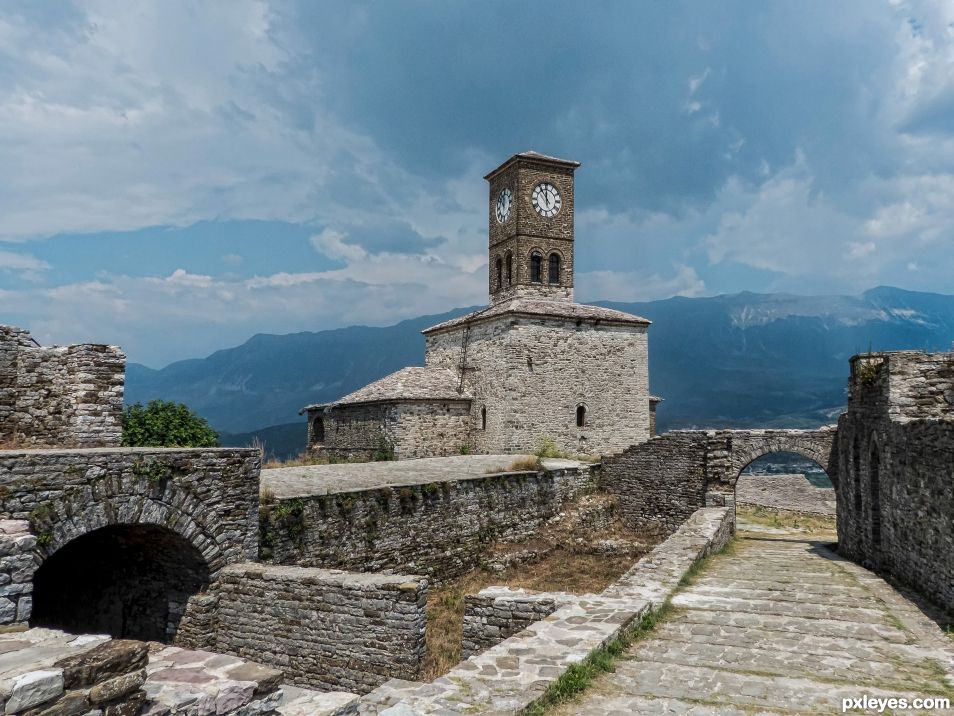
(735, 360)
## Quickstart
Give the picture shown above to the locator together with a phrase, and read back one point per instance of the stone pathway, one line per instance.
(779, 625)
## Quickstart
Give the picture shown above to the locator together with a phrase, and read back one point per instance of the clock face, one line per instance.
(504, 202)
(546, 200)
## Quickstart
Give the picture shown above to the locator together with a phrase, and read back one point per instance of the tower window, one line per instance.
(318, 430)
(499, 282)
(483, 418)
(536, 267)
(509, 268)
(553, 269)
(580, 416)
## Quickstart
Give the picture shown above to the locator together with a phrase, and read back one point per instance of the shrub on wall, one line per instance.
(165, 424)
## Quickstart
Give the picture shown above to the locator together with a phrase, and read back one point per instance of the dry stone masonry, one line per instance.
(59, 396)
(325, 629)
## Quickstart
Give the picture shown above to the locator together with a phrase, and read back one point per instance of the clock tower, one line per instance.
(531, 228)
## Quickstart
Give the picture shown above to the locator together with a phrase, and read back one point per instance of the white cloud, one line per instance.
(14, 261)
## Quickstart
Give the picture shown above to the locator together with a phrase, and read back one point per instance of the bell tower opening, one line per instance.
(531, 220)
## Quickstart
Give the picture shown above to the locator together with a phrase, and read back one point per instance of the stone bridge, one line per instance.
(663, 481)
(122, 537)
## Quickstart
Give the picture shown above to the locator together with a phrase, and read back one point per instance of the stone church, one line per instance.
(532, 365)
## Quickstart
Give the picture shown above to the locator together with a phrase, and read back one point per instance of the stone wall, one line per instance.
(323, 628)
(661, 482)
(531, 375)
(68, 396)
(411, 429)
(209, 496)
(897, 496)
(439, 529)
(496, 613)
(17, 565)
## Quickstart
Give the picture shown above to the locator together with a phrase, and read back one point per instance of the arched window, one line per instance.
(499, 282)
(553, 268)
(483, 418)
(509, 268)
(580, 416)
(536, 267)
(318, 430)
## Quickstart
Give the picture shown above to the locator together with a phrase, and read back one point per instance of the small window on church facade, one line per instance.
(509, 268)
(580, 416)
(553, 269)
(536, 267)
(318, 430)
(483, 418)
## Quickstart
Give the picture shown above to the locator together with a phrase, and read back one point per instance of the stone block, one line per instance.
(34, 688)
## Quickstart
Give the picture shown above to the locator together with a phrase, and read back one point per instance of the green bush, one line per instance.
(165, 424)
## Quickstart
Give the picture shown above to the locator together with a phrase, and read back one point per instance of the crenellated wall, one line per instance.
(70, 396)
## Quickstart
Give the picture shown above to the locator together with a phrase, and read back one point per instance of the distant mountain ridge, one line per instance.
(732, 360)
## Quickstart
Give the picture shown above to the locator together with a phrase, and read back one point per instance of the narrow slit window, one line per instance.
(536, 267)
(580, 416)
(509, 268)
(483, 418)
(553, 269)
(499, 282)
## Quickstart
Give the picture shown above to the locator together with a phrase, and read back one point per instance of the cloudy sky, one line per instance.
(177, 176)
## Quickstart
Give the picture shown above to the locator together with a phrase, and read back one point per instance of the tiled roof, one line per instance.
(544, 308)
(406, 384)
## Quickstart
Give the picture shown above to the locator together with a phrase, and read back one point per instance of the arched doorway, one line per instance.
(126, 580)
(786, 482)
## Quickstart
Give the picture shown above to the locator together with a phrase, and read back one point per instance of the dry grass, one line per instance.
(560, 571)
(812, 524)
(526, 463)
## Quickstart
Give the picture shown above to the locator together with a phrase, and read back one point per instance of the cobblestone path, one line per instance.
(778, 625)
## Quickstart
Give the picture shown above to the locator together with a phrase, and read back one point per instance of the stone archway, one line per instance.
(130, 581)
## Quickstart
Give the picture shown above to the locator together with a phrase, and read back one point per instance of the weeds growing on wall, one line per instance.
(384, 451)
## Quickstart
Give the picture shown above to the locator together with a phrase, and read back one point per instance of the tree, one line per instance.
(165, 424)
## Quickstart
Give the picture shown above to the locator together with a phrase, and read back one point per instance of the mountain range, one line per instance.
(746, 359)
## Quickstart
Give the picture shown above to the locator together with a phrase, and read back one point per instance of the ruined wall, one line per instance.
(439, 529)
(896, 497)
(531, 374)
(660, 483)
(497, 613)
(412, 429)
(323, 628)
(60, 396)
(209, 496)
